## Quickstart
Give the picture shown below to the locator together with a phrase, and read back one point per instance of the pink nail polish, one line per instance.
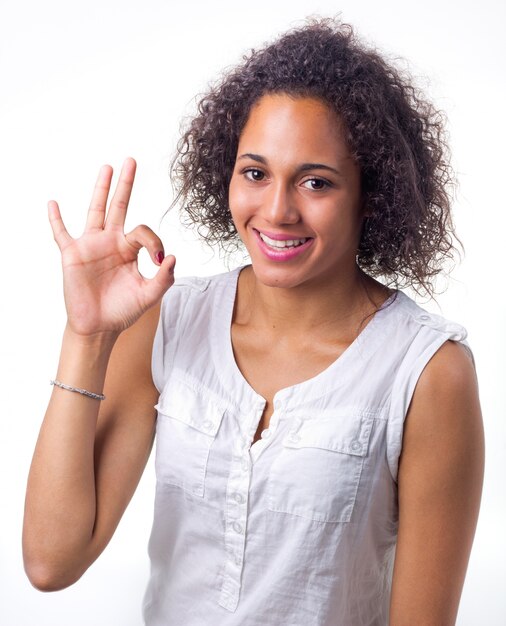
(159, 257)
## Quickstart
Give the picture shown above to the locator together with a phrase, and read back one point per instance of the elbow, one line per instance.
(51, 565)
(47, 577)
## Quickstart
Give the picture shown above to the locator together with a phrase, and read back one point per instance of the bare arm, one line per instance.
(440, 482)
(90, 454)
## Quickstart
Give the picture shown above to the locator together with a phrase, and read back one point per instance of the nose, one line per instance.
(279, 205)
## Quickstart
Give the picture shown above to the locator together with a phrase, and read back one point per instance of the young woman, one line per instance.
(319, 449)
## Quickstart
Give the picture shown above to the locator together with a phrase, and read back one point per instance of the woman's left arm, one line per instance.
(440, 482)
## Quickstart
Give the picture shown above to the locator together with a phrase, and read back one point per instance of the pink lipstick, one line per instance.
(281, 247)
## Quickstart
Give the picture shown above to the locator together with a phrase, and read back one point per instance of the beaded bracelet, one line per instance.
(90, 394)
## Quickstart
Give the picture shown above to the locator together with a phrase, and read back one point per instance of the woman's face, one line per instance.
(295, 193)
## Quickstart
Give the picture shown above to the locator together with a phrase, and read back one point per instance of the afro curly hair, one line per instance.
(396, 136)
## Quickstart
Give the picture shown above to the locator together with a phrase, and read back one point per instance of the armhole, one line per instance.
(403, 389)
(172, 323)
(157, 355)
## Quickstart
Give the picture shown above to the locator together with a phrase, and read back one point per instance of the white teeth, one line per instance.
(288, 243)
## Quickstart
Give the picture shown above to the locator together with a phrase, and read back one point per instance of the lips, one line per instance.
(281, 243)
(280, 247)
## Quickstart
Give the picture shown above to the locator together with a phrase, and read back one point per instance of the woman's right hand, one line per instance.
(104, 290)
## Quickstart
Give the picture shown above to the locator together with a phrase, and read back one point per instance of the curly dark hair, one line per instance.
(395, 135)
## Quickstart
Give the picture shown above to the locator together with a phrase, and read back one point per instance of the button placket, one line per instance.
(266, 436)
(235, 523)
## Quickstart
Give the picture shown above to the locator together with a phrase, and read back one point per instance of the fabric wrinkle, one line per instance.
(300, 527)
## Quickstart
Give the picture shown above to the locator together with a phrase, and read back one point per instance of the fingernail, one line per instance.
(159, 257)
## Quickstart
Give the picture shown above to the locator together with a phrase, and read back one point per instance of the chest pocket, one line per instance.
(186, 428)
(317, 473)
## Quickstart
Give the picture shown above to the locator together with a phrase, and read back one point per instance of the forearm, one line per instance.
(60, 504)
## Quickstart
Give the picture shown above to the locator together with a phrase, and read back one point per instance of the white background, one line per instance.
(86, 83)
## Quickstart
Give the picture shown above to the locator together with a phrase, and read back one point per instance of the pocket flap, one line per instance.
(345, 433)
(194, 408)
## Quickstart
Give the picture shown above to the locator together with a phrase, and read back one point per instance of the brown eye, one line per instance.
(316, 184)
(254, 174)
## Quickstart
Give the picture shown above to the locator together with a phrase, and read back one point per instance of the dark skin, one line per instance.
(440, 483)
(291, 320)
(288, 359)
(295, 178)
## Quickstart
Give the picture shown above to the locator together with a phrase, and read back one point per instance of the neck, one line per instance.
(333, 303)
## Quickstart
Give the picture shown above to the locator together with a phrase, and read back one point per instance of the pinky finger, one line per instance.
(60, 233)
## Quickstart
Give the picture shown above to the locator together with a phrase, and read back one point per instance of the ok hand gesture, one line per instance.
(104, 290)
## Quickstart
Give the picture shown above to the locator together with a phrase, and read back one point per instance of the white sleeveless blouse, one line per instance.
(298, 529)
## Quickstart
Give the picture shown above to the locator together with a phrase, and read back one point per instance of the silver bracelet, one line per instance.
(90, 394)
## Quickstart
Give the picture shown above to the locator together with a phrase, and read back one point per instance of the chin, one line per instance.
(280, 277)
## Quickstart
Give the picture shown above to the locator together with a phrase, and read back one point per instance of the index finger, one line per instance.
(119, 203)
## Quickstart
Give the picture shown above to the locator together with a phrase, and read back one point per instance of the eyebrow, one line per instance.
(302, 168)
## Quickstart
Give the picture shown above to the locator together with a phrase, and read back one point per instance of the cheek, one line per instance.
(341, 220)
(234, 203)
(239, 202)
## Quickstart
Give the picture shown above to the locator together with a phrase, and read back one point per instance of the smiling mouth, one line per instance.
(282, 244)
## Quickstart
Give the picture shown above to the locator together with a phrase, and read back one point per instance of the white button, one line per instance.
(238, 559)
(424, 318)
(238, 497)
(294, 437)
(237, 527)
(266, 433)
(245, 465)
(356, 446)
(207, 425)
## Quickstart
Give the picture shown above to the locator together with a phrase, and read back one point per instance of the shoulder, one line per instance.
(437, 358)
(434, 380)
(409, 311)
(449, 373)
(195, 295)
(443, 428)
(200, 288)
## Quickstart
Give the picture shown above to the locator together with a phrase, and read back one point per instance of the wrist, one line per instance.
(103, 340)
(84, 359)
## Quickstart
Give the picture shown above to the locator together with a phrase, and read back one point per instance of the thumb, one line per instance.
(155, 287)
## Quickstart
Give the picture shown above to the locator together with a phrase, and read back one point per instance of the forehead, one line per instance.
(282, 123)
